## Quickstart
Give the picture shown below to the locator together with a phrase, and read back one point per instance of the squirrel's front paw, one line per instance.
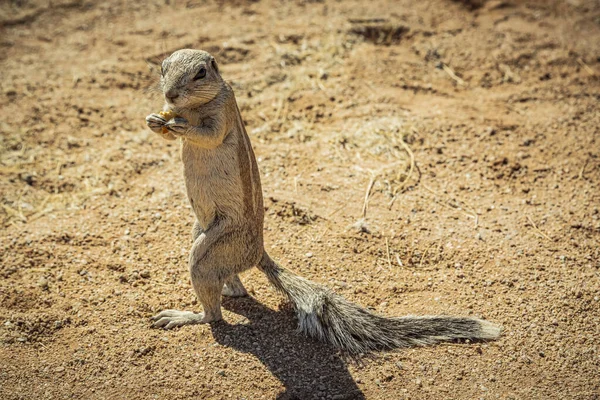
(178, 126)
(155, 122)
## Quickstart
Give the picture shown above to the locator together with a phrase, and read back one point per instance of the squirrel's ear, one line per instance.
(213, 63)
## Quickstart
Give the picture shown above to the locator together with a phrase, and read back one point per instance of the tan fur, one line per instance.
(223, 186)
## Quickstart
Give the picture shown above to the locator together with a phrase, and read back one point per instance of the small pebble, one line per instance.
(43, 283)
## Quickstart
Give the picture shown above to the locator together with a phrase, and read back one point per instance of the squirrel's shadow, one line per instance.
(308, 369)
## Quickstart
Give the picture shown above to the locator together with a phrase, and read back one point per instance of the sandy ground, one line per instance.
(475, 124)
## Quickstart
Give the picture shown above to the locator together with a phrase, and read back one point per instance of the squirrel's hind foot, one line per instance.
(169, 319)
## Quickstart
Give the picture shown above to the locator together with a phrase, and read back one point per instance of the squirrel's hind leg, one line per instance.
(217, 256)
(208, 288)
(207, 269)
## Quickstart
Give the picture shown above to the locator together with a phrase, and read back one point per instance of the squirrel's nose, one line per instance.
(171, 94)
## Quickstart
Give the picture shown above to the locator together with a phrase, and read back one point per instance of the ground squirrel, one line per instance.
(224, 190)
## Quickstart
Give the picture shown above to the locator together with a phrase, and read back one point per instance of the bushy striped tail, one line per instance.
(329, 317)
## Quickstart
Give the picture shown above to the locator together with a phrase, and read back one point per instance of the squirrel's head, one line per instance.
(190, 78)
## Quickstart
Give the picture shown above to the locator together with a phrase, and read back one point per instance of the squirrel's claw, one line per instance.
(179, 126)
(155, 122)
(169, 319)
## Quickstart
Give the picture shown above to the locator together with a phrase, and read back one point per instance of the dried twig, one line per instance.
(537, 229)
(387, 247)
(14, 213)
(583, 168)
(423, 256)
(412, 163)
(450, 72)
(321, 234)
(399, 261)
(401, 187)
(336, 211)
(367, 194)
(587, 68)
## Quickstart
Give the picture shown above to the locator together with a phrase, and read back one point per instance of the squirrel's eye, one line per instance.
(201, 74)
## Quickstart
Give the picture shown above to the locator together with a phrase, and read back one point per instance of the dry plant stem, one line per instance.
(12, 169)
(580, 176)
(370, 87)
(587, 68)
(283, 105)
(13, 212)
(41, 210)
(19, 202)
(336, 211)
(424, 253)
(537, 229)
(399, 261)
(387, 247)
(301, 231)
(450, 72)
(321, 86)
(367, 194)
(401, 187)
(412, 164)
(322, 234)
